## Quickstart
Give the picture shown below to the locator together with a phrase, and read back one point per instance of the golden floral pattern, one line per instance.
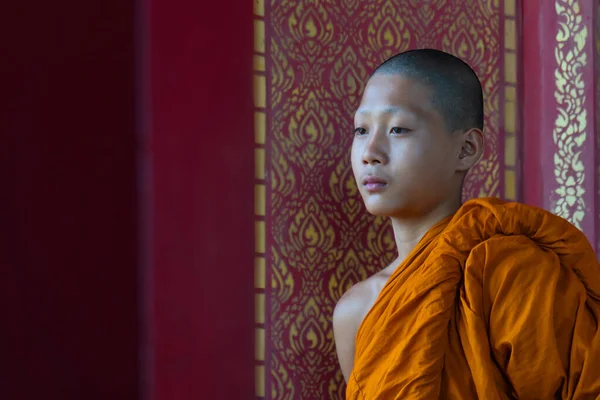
(570, 130)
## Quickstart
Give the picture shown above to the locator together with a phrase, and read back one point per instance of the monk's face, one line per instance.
(404, 159)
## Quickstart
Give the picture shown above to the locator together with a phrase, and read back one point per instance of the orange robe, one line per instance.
(499, 301)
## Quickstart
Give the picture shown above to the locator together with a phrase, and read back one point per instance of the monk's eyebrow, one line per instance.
(386, 110)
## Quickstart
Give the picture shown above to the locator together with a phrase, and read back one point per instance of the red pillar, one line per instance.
(198, 152)
(560, 140)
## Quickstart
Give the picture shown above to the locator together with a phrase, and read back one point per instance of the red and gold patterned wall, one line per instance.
(313, 238)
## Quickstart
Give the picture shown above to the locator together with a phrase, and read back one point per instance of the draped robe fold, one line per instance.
(499, 301)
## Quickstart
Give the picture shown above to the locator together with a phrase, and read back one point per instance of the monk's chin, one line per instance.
(379, 211)
(398, 209)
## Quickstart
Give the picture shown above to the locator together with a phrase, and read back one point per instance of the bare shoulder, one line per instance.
(359, 299)
(348, 315)
(355, 300)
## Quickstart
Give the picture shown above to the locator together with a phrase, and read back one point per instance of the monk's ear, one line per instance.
(471, 149)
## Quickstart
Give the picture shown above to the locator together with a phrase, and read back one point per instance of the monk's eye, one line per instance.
(398, 131)
(360, 131)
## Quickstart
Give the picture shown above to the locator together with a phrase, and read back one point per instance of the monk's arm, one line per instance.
(537, 317)
(346, 320)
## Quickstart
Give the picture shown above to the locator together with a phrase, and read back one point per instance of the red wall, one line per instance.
(68, 291)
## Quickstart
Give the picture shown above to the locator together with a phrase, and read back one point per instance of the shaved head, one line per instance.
(456, 90)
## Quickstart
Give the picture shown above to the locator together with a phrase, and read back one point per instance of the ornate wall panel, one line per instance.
(574, 111)
(561, 99)
(317, 240)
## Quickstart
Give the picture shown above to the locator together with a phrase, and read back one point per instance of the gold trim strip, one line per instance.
(509, 8)
(259, 344)
(509, 184)
(260, 127)
(510, 94)
(259, 234)
(510, 118)
(260, 91)
(510, 152)
(259, 308)
(260, 123)
(259, 36)
(510, 67)
(259, 163)
(259, 199)
(259, 63)
(510, 99)
(259, 8)
(510, 34)
(259, 381)
(260, 272)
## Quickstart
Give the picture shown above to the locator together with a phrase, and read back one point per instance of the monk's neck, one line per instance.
(408, 232)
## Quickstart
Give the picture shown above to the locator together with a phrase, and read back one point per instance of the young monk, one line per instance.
(487, 299)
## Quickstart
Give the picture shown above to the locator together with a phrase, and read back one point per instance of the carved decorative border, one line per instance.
(570, 127)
